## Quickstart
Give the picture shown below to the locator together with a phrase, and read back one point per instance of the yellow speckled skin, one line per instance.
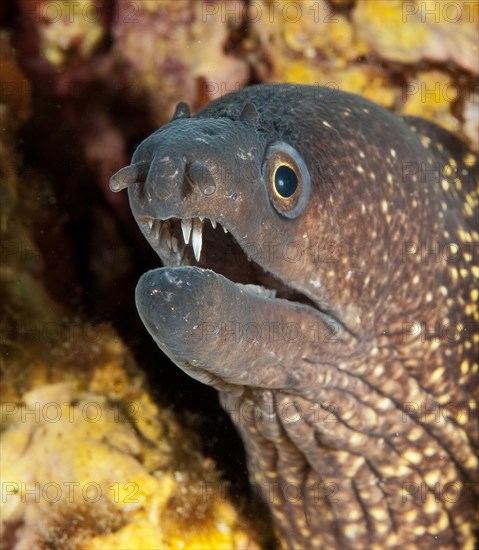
(359, 414)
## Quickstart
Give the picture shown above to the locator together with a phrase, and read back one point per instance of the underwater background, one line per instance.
(105, 443)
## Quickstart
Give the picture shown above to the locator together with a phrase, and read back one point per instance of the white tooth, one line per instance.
(165, 235)
(202, 220)
(150, 224)
(213, 224)
(224, 229)
(197, 238)
(186, 228)
(174, 244)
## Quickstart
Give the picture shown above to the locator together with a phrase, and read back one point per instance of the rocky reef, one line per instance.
(104, 444)
(89, 458)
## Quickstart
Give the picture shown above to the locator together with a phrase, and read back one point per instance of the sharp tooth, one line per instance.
(174, 244)
(202, 220)
(150, 224)
(165, 235)
(224, 229)
(213, 224)
(197, 238)
(186, 229)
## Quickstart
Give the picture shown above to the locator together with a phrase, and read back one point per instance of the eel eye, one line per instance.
(287, 179)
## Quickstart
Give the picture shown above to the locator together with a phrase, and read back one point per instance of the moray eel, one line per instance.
(321, 272)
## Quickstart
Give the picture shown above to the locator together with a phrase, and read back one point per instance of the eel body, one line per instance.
(321, 271)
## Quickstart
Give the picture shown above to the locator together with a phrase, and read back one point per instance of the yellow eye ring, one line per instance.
(287, 179)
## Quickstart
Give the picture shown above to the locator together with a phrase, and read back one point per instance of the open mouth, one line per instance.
(167, 234)
(206, 243)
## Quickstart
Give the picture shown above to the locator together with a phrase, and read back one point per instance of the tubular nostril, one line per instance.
(198, 174)
(135, 173)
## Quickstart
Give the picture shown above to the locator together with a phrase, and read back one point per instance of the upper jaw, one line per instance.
(178, 246)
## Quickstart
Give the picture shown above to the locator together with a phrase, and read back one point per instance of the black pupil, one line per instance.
(285, 181)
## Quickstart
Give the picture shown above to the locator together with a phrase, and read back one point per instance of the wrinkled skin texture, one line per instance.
(355, 383)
